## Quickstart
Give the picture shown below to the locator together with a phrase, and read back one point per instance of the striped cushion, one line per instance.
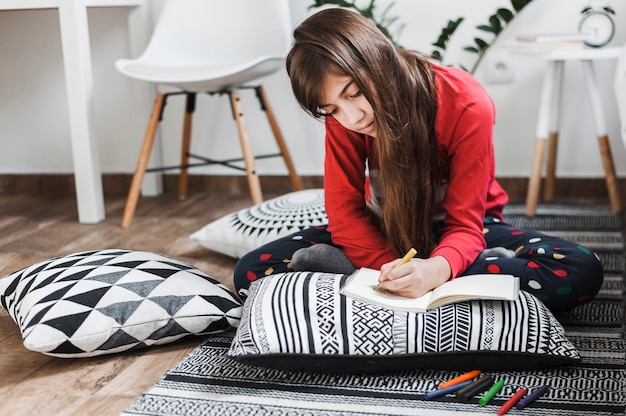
(298, 321)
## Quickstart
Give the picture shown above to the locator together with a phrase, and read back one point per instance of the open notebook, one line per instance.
(362, 284)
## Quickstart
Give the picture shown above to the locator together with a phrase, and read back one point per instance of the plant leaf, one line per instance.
(505, 14)
(447, 32)
(495, 25)
(518, 5)
(494, 21)
(482, 45)
(485, 28)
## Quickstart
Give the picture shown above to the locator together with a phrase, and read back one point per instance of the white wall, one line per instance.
(34, 128)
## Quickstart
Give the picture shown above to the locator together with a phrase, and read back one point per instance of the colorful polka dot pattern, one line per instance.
(275, 257)
(560, 273)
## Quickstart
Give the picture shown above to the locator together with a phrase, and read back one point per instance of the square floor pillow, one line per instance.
(237, 233)
(106, 301)
(299, 321)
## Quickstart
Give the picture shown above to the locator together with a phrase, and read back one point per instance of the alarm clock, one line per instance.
(597, 23)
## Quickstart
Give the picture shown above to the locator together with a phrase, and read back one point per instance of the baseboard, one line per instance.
(119, 184)
(566, 189)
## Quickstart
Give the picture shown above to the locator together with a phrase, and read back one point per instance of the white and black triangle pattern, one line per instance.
(105, 301)
(291, 318)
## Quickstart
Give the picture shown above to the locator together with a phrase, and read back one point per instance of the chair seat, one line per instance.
(200, 77)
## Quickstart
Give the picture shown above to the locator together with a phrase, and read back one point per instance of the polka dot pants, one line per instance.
(275, 257)
(560, 273)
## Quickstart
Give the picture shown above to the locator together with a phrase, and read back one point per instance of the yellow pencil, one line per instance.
(408, 256)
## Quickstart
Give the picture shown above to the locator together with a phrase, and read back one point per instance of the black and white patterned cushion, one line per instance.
(299, 322)
(240, 232)
(106, 301)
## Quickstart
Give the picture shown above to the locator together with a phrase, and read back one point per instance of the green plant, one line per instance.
(382, 20)
(494, 26)
(442, 42)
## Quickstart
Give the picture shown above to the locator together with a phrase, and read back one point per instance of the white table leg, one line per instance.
(594, 97)
(601, 134)
(554, 119)
(79, 84)
(542, 132)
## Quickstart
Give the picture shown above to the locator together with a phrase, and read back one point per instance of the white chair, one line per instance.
(218, 47)
(620, 91)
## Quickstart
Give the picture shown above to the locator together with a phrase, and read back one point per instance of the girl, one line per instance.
(409, 163)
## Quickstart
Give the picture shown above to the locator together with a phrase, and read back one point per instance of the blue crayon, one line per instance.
(442, 392)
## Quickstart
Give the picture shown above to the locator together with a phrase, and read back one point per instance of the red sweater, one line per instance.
(464, 128)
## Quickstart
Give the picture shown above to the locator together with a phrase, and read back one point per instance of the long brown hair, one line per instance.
(399, 86)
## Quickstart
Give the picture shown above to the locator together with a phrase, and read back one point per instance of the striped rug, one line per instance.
(208, 383)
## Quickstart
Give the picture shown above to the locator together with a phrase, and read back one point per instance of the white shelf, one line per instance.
(567, 54)
(591, 54)
(53, 4)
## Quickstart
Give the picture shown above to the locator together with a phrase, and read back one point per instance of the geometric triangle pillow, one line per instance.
(106, 301)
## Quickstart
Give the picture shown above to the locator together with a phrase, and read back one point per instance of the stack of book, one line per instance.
(548, 42)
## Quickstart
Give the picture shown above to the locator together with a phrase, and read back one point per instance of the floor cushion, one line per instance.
(106, 301)
(298, 321)
(239, 232)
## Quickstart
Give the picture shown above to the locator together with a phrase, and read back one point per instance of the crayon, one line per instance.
(446, 390)
(511, 402)
(463, 377)
(491, 392)
(532, 397)
(473, 389)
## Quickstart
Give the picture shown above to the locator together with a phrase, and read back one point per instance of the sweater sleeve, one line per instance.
(465, 131)
(351, 227)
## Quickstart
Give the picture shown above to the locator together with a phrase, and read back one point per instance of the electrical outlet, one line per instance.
(499, 69)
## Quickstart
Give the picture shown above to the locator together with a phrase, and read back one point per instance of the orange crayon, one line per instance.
(456, 380)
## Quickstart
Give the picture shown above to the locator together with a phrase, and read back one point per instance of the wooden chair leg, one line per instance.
(609, 172)
(549, 186)
(248, 156)
(142, 161)
(280, 141)
(190, 107)
(534, 182)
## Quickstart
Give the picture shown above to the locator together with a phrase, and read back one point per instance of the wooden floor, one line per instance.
(35, 228)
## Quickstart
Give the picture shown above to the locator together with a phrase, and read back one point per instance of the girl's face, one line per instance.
(342, 99)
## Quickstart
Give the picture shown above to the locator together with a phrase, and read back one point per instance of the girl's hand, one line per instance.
(416, 277)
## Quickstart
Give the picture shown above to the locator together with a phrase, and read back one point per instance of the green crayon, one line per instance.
(491, 392)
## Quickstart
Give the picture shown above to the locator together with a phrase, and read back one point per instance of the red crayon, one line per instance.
(511, 402)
